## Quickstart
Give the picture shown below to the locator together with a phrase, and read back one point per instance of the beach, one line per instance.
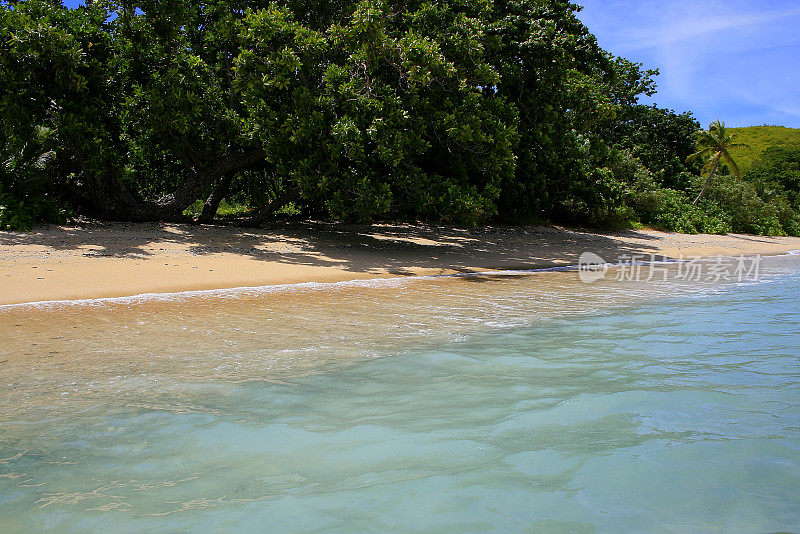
(355, 267)
(529, 400)
(124, 259)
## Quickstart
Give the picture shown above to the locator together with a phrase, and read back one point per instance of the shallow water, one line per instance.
(450, 405)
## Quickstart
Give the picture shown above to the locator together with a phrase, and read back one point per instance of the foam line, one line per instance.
(234, 292)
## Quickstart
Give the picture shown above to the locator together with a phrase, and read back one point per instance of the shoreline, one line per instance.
(253, 291)
(70, 265)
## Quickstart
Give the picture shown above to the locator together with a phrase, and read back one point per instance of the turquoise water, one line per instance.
(676, 416)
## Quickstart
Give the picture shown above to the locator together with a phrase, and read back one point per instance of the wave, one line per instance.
(255, 291)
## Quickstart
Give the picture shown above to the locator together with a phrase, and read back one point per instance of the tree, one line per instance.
(661, 139)
(713, 146)
(454, 110)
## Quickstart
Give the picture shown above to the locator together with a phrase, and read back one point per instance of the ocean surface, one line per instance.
(508, 403)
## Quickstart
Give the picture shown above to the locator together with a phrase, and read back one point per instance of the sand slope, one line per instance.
(121, 259)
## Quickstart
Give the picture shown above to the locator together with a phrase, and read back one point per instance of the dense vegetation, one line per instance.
(759, 139)
(449, 110)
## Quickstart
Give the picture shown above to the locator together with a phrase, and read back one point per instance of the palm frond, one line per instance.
(699, 154)
(44, 160)
(716, 141)
(732, 164)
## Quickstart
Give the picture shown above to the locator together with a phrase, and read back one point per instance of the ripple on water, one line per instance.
(507, 406)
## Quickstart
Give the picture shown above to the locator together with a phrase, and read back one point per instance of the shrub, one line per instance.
(672, 210)
(745, 210)
(22, 212)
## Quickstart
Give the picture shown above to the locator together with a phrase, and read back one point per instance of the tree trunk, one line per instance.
(708, 180)
(213, 200)
(108, 198)
(230, 163)
(113, 200)
(275, 204)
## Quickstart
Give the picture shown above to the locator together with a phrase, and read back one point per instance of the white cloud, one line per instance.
(736, 60)
(687, 27)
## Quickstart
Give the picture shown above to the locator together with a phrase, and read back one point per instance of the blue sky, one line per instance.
(734, 60)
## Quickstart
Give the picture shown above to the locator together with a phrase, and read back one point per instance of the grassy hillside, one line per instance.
(759, 138)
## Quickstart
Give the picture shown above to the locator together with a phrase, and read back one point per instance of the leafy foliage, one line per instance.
(775, 179)
(672, 210)
(24, 195)
(746, 212)
(662, 140)
(454, 110)
(777, 173)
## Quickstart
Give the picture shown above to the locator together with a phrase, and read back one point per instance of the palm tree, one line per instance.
(714, 146)
(20, 164)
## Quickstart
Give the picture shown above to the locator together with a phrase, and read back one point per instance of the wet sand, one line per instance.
(123, 259)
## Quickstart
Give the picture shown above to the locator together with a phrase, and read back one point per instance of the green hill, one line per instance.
(760, 138)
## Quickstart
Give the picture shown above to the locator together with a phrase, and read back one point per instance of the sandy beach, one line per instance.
(123, 259)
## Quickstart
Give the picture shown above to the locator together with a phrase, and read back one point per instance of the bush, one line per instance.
(27, 188)
(22, 212)
(672, 210)
(745, 210)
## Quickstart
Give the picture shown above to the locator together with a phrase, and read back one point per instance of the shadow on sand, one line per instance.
(356, 248)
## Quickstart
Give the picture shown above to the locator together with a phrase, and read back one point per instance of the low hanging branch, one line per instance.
(200, 181)
(291, 193)
(113, 200)
(211, 204)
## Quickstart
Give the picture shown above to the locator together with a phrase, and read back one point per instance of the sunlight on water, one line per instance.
(502, 404)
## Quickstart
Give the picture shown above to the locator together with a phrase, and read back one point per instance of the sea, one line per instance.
(652, 397)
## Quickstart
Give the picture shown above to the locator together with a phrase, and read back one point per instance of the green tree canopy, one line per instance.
(454, 110)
